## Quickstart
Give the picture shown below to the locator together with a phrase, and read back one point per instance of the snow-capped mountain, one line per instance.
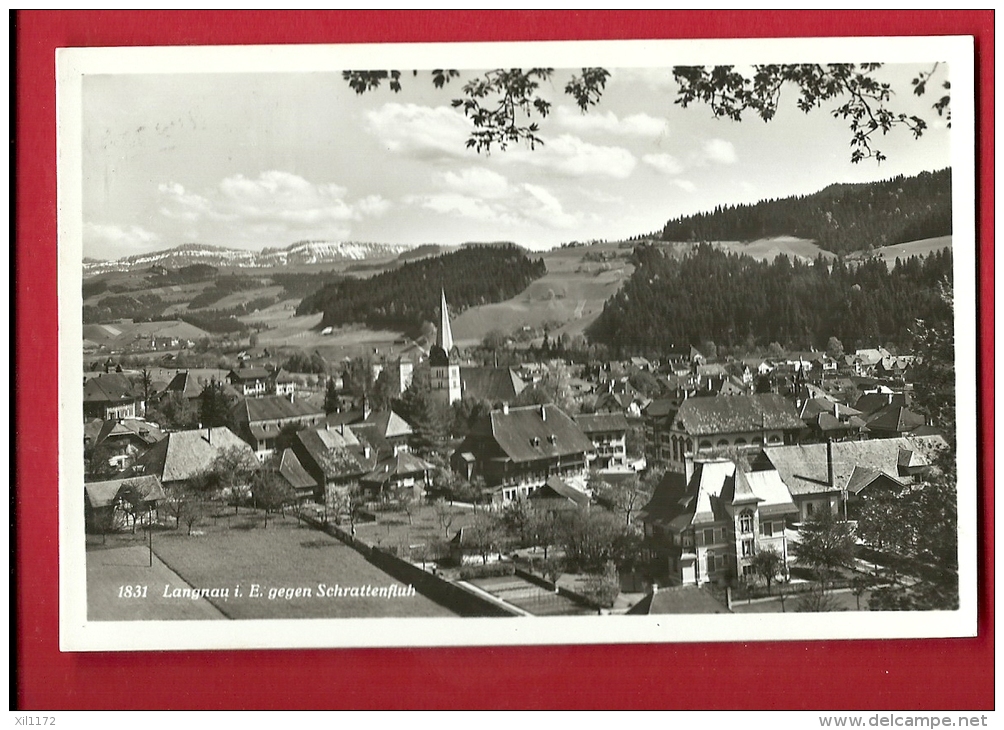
(301, 252)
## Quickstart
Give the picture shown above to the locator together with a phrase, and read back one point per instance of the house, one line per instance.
(557, 495)
(707, 523)
(494, 385)
(187, 386)
(401, 476)
(385, 431)
(127, 438)
(822, 476)
(260, 421)
(299, 480)
(683, 599)
(103, 499)
(894, 420)
(251, 382)
(517, 449)
(184, 455)
(608, 432)
(704, 424)
(333, 456)
(658, 416)
(112, 396)
(281, 383)
(828, 419)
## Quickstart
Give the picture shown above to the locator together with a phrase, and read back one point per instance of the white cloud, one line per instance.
(111, 235)
(685, 185)
(515, 205)
(274, 198)
(664, 163)
(477, 181)
(570, 156)
(543, 207)
(638, 125)
(420, 131)
(720, 150)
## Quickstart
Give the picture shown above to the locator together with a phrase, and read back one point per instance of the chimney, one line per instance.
(688, 466)
(836, 411)
(209, 435)
(829, 462)
(654, 588)
(543, 412)
(505, 409)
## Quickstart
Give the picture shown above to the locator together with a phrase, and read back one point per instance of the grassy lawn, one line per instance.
(393, 529)
(279, 560)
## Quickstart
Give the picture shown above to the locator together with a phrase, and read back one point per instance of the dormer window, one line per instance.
(551, 439)
(535, 441)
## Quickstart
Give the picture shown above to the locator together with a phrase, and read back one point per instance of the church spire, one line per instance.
(444, 335)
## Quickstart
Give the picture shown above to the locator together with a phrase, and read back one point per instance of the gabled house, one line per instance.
(103, 499)
(260, 421)
(894, 420)
(187, 386)
(401, 476)
(183, 455)
(709, 523)
(517, 449)
(822, 476)
(251, 382)
(494, 385)
(112, 396)
(683, 599)
(385, 431)
(702, 425)
(128, 438)
(333, 455)
(608, 433)
(299, 480)
(557, 495)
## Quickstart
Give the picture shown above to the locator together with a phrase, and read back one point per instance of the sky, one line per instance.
(253, 160)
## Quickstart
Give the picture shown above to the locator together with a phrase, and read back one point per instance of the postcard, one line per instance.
(528, 343)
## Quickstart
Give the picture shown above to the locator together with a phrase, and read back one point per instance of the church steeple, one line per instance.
(444, 335)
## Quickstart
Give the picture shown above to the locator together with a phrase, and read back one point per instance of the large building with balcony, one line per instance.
(707, 523)
(515, 450)
(608, 432)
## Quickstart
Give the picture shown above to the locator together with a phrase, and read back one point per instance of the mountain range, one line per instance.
(299, 253)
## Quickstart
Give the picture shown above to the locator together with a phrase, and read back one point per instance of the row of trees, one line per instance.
(670, 303)
(841, 218)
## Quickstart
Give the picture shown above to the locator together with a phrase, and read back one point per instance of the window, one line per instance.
(711, 562)
(747, 548)
(688, 540)
(709, 536)
(767, 529)
(705, 444)
(747, 571)
(723, 442)
(779, 528)
(745, 523)
(809, 508)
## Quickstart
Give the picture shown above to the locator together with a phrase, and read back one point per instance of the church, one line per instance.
(444, 362)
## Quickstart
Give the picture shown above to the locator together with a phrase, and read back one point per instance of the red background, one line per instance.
(929, 674)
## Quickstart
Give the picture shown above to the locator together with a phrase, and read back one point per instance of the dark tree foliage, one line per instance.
(216, 406)
(410, 295)
(136, 306)
(840, 218)
(670, 302)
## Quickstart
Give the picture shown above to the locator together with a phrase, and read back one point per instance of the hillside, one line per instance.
(407, 296)
(840, 218)
(671, 301)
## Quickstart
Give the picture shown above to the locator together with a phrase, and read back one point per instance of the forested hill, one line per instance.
(407, 296)
(670, 303)
(840, 218)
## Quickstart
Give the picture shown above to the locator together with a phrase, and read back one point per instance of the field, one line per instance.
(394, 529)
(913, 248)
(284, 556)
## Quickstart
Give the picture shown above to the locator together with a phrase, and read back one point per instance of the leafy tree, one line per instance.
(590, 537)
(834, 348)
(933, 373)
(887, 523)
(486, 534)
(816, 601)
(624, 496)
(331, 401)
(768, 564)
(97, 462)
(603, 588)
(825, 544)
(233, 468)
(495, 339)
(444, 515)
(270, 491)
(775, 351)
(175, 411)
(216, 406)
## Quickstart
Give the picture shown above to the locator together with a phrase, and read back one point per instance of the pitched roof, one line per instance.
(243, 374)
(273, 408)
(895, 418)
(872, 402)
(737, 414)
(803, 467)
(103, 494)
(293, 472)
(335, 451)
(108, 388)
(186, 384)
(388, 424)
(399, 465)
(661, 407)
(496, 385)
(183, 454)
(601, 422)
(670, 499)
(537, 432)
(149, 433)
(679, 600)
(863, 476)
(557, 488)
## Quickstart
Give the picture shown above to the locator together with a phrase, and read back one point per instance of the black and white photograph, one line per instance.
(472, 344)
